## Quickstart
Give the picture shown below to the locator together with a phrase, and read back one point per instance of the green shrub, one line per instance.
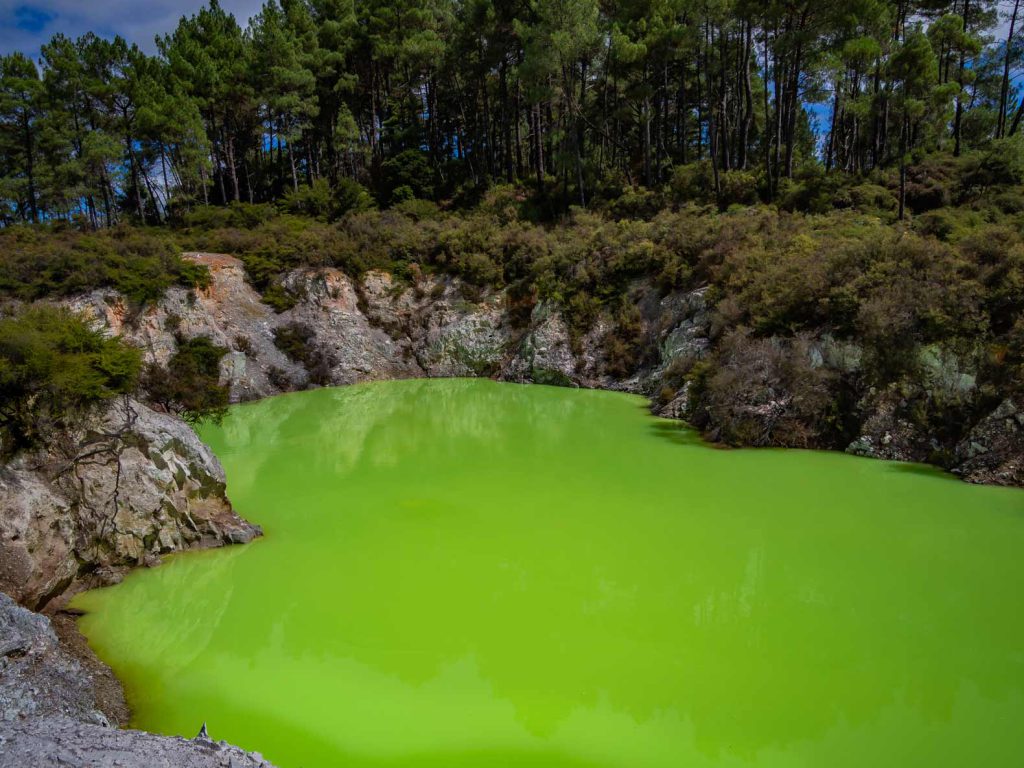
(190, 383)
(140, 263)
(1001, 163)
(236, 214)
(737, 188)
(811, 192)
(417, 209)
(873, 199)
(504, 202)
(636, 203)
(279, 298)
(314, 200)
(54, 368)
(406, 175)
(351, 197)
(298, 342)
(692, 183)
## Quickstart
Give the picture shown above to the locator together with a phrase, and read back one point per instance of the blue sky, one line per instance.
(25, 26)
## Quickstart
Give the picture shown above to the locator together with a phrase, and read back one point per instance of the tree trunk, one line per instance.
(1004, 91)
(295, 172)
(232, 169)
(958, 119)
(903, 167)
(33, 205)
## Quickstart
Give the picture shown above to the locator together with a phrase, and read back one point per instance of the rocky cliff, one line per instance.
(376, 328)
(124, 488)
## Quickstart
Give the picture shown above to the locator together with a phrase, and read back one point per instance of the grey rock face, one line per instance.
(885, 433)
(49, 714)
(678, 406)
(375, 328)
(993, 451)
(60, 741)
(359, 350)
(37, 677)
(545, 354)
(230, 312)
(128, 486)
(946, 372)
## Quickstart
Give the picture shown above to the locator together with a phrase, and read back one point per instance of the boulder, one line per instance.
(885, 431)
(993, 451)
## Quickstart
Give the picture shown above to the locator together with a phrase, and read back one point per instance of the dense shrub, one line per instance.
(408, 174)
(1002, 163)
(635, 203)
(764, 391)
(624, 345)
(235, 214)
(874, 199)
(141, 264)
(319, 201)
(315, 200)
(737, 188)
(53, 369)
(692, 183)
(298, 342)
(351, 196)
(190, 383)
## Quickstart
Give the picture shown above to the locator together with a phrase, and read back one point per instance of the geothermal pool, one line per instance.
(466, 574)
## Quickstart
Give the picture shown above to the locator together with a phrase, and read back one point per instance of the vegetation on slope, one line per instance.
(944, 286)
(189, 385)
(54, 369)
(58, 261)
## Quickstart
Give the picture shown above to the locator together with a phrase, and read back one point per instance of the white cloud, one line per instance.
(26, 24)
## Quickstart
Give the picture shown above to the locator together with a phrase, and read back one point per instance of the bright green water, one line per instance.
(463, 574)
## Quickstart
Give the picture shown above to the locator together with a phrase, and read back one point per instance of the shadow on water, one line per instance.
(679, 433)
(921, 470)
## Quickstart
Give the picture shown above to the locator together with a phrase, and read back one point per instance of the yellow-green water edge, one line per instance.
(464, 574)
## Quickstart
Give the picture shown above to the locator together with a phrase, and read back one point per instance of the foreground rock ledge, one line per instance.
(60, 741)
(50, 715)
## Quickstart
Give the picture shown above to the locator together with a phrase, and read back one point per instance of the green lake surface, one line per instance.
(466, 574)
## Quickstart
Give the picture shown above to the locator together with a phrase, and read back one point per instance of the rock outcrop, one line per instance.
(49, 714)
(376, 328)
(38, 678)
(129, 485)
(50, 742)
(886, 432)
(993, 451)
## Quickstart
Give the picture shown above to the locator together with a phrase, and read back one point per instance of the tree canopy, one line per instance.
(443, 98)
